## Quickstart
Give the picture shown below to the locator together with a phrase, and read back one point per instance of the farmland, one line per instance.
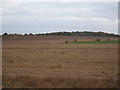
(47, 62)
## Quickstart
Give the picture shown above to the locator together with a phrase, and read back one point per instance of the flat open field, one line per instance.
(47, 62)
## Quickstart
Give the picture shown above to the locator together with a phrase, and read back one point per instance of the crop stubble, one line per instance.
(38, 63)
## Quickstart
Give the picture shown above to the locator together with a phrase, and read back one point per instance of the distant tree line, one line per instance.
(77, 33)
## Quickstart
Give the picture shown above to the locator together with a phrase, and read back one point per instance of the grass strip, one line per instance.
(83, 42)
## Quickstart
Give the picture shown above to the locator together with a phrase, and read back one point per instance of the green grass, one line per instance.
(83, 42)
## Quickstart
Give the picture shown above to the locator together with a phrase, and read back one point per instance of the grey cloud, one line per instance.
(47, 17)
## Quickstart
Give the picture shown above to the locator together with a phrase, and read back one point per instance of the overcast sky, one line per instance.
(42, 17)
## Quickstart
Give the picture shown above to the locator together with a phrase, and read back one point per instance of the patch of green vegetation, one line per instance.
(83, 42)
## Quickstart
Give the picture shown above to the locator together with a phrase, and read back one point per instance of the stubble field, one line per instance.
(47, 62)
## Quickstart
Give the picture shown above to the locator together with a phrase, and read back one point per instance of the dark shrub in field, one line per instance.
(96, 39)
(66, 41)
(108, 39)
(75, 40)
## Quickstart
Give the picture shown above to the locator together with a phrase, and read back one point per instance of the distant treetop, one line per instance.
(5, 34)
(77, 33)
